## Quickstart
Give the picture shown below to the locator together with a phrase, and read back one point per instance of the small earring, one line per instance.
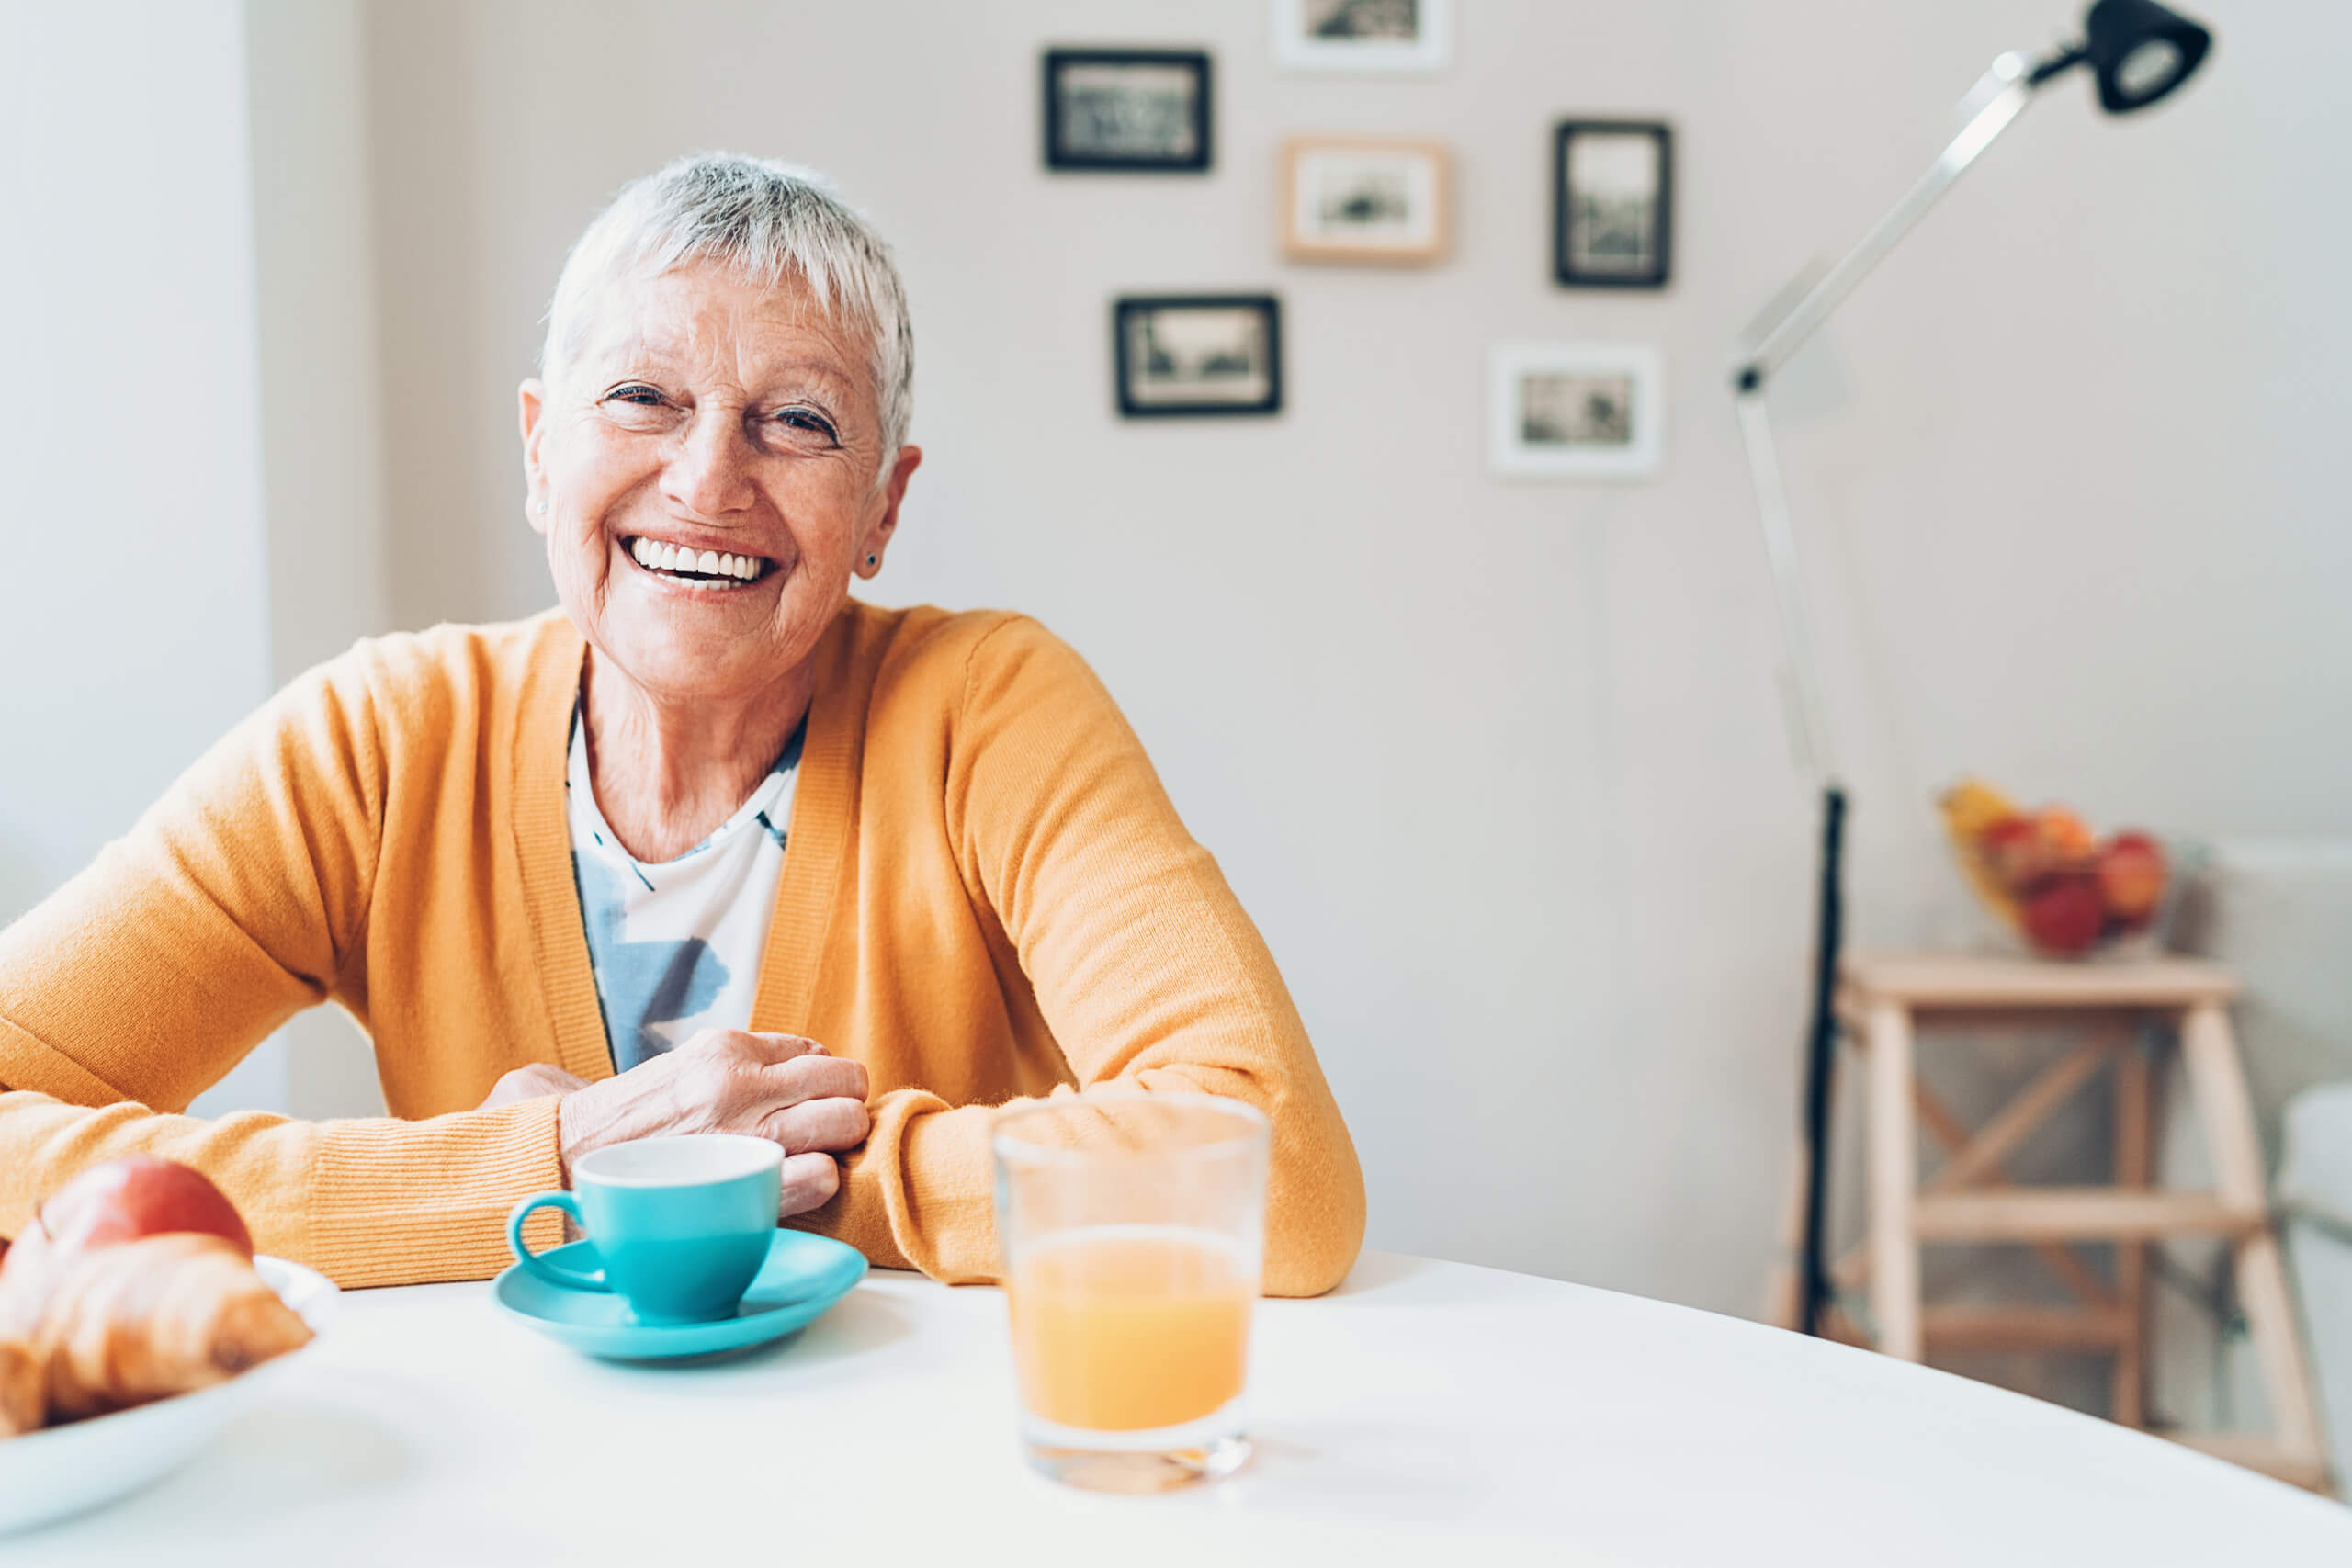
(870, 559)
(541, 508)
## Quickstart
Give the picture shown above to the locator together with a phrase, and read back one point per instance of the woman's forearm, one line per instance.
(372, 1201)
(1144, 965)
(919, 1194)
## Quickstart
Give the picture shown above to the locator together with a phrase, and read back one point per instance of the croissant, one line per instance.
(24, 1394)
(164, 1314)
(26, 1274)
(25, 1279)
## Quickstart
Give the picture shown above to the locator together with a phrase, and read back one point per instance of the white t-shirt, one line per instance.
(676, 946)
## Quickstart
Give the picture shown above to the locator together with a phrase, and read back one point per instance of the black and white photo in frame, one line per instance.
(1577, 410)
(1363, 35)
(1354, 201)
(1197, 354)
(1612, 204)
(1133, 110)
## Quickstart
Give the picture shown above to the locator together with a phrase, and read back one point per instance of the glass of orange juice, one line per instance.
(1132, 1226)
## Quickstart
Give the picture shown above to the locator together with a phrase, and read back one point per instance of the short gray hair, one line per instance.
(766, 221)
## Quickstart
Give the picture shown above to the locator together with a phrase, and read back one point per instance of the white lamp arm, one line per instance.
(2002, 92)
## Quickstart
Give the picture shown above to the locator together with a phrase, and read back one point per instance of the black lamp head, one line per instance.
(2140, 51)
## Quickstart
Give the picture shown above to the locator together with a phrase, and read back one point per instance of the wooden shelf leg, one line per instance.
(2226, 1113)
(2134, 1133)
(1893, 1176)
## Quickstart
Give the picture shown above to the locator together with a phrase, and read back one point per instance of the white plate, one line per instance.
(47, 1475)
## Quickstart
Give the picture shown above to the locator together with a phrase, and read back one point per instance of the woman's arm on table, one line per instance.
(235, 902)
(1145, 965)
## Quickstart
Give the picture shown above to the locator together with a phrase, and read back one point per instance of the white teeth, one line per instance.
(656, 557)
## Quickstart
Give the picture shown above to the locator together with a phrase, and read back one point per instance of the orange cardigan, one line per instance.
(986, 894)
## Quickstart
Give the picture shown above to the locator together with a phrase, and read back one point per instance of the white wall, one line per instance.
(321, 405)
(1500, 768)
(133, 607)
(321, 378)
(187, 305)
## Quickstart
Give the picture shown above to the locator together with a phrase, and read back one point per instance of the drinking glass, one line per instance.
(1132, 1227)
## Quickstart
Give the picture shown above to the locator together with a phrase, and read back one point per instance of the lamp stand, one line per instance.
(1991, 105)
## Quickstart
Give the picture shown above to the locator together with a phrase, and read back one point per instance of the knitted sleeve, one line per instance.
(238, 900)
(1145, 967)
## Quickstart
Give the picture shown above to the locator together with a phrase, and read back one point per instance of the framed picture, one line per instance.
(1612, 204)
(1363, 201)
(1198, 354)
(1363, 35)
(1577, 410)
(1132, 110)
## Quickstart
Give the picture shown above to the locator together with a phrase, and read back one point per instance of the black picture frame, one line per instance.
(1059, 62)
(1134, 404)
(1649, 261)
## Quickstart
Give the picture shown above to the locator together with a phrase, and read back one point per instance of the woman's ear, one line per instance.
(535, 409)
(892, 491)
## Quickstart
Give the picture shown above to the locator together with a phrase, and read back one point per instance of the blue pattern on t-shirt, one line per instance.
(663, 981)
(642, 986)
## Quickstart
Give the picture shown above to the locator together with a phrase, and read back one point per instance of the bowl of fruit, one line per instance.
(136, 1324)
(2047, 876)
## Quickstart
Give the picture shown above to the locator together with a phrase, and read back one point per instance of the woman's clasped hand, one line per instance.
(779, 1086)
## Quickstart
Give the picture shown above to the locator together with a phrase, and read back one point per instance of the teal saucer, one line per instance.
(803, 1275)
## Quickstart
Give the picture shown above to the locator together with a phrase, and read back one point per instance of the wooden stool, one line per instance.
(1884, 1000)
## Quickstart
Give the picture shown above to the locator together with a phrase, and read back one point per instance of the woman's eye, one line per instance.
(803, 422)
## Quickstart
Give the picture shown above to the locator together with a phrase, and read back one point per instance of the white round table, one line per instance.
(1426, 1409)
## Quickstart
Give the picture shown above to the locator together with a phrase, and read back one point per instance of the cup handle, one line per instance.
(535, 1263)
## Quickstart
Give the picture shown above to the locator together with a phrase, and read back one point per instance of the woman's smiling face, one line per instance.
(708, 467)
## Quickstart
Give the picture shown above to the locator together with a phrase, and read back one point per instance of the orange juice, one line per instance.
(1126, 1328)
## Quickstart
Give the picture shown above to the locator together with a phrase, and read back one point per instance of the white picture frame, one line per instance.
(1301, 45)
(1576, 410)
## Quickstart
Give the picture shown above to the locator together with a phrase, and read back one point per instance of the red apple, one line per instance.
(2015, 852)
(2132, 877)
(2066, 917)
(123, 1200)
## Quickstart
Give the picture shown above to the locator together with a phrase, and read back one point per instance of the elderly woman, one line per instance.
(714, 847)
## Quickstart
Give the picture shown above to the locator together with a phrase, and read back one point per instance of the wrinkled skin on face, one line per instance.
(703, 411)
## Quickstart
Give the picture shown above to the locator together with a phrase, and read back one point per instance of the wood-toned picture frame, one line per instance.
(1374, 37)
(1194, 354)
(1577, 410)
(1612, 204)
(1129, 111)
(1361, 199)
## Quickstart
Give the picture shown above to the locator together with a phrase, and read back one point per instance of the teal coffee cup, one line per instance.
(681, 1225)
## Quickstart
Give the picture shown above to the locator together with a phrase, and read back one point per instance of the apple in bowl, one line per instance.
(123, 1200)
